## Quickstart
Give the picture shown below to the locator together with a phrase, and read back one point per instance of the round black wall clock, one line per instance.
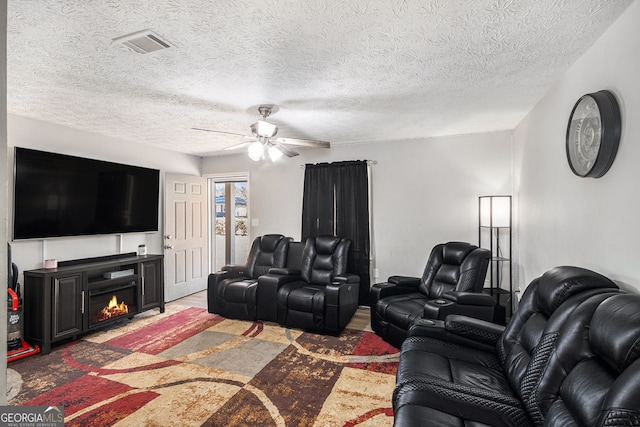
(593, 134)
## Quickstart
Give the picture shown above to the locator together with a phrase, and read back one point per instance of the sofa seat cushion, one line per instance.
(424, 404)
(239, 291)
(308, 298)
(401, 310)
(468, 395)
(304, 306)
(449, 349)
(452, 366)
(235, 298)
(417, 415)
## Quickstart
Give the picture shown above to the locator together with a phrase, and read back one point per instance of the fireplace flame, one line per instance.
(113, 309)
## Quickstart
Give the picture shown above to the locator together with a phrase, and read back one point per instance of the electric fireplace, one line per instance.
(113, 302)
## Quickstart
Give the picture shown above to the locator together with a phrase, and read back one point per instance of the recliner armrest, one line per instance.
(347, 278)
(267, 293)
(229, 273)
(470, 332)
(424, 327)
(405, 281)
(234, 270)
(480, 306)
(476, 329)
(284, 271)
(336, 290)
(385, 289)
(469, 298)
(341, 302)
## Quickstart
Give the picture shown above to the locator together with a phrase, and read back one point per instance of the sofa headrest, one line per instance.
(326, 245)
(615, 330)
(269, 242)
(455, 252)
(560, 283)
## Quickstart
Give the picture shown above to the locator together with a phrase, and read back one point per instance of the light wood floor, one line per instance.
(199, 299)
(360, 320)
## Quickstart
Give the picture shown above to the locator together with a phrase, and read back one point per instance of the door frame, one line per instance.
(223, 177)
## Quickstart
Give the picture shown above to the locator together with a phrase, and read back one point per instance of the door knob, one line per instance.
(167, 236)
(168, 246)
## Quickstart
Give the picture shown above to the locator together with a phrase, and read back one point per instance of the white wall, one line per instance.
(30, 133)
(424, 191)
(566, 220)
(4, 205)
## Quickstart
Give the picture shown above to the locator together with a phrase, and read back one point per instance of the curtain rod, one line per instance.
(369, 162)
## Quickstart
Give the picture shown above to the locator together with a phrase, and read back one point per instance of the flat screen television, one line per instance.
(56, 195)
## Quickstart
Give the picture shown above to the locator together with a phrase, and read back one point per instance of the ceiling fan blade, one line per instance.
(236, 146)
(284, 149)
(226, 133)
(303, 142)
(218, 131)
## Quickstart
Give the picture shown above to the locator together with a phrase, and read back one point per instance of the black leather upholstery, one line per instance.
(231, 292)
(300, 285)
(451, 283)
(569, 356)
(268, 284)
(322, 298)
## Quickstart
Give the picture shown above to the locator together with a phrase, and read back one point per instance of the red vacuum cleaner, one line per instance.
(17, 348)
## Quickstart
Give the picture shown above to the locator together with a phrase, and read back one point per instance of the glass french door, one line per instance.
(231, 223)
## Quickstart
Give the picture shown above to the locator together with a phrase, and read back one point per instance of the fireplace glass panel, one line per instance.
(112, 303)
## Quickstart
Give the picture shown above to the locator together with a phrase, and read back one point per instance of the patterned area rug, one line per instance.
(187, 367)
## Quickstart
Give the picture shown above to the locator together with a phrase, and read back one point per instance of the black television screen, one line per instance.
(56, 195)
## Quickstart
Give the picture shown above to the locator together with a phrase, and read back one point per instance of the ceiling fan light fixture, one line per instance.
(264, 144)
(256, 151)
(274, 153)
(263, 128)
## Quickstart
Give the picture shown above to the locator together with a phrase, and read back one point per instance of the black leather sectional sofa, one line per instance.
(299, 285)
(568, 357)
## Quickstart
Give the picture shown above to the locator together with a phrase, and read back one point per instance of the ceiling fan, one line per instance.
(264, 143)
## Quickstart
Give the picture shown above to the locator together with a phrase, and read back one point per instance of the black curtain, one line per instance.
(318, 201)
(336, 202)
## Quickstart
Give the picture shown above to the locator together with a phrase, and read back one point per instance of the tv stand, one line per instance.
(88, 294)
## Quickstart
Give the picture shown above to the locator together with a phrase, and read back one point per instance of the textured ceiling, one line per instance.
(338, 70)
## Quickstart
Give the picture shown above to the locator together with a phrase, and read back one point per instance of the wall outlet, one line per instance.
(376, 273)
(255, 222)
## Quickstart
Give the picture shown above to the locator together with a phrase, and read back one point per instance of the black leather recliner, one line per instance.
(231, 292)
(322, 298)
(569, 356)
(451, 284)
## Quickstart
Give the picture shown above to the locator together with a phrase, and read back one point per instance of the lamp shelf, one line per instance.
(496, 291)
(495, 234)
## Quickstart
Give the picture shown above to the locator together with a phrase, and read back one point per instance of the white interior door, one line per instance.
(185, 235)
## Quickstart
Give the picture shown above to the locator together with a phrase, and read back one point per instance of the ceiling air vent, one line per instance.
(145, 41)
